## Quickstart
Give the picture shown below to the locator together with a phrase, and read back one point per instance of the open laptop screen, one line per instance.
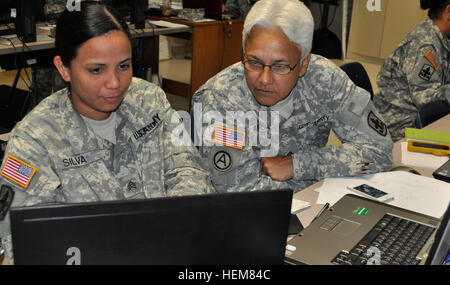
(441, 244)
(233, 228)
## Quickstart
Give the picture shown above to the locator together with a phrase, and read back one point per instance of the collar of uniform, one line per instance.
(76, 128)
(445, 41)
(285, 107)
(133, 110)
(248, 94)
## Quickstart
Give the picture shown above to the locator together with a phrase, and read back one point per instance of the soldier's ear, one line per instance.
(62, 69)
(304, 65)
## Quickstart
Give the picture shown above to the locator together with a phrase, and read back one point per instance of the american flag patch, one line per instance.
(432, 58)
(18, 171)
(228, 137)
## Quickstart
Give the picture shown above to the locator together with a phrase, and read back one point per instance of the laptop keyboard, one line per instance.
(393, 240)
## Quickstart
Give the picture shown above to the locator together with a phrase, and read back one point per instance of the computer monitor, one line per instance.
(135, 9)
(5, 11)
(213, 8)
(23, 23)
(26, 19)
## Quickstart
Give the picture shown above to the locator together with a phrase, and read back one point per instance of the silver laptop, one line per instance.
(360, 231)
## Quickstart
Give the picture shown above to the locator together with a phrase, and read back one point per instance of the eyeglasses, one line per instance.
(254, 65)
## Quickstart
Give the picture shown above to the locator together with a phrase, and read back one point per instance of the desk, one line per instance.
(42, 52)
(311, 196)
(442, 124)
(46, 45)
(215, 45)
(50, 43)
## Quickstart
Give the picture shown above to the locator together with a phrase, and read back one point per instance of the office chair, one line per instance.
(325, 42)
(431, 112)
(358, 75)
(14, 105)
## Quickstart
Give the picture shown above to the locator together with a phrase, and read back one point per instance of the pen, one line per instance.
(325, 207)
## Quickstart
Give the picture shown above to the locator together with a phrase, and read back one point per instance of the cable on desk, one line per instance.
(27, 83)
(24, 45)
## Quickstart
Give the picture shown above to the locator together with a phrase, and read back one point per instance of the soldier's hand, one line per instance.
(279, 168)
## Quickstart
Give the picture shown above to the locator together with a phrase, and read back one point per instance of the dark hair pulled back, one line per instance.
(76, 27)
(434, 7)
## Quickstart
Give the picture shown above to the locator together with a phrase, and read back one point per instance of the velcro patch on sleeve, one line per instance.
(228, 137)
(18, 171)
(433, 59)
(426, 72)
(377, 124)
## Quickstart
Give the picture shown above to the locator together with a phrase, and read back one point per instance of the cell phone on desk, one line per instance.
(371, 192)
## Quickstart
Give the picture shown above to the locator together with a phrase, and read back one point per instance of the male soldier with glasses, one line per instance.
(297, 98)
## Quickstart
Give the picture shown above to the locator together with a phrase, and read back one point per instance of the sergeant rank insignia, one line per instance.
(376, 124)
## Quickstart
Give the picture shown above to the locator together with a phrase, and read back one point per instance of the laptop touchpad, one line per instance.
(346, 228)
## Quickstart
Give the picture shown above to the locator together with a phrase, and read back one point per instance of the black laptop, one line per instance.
(232, 228)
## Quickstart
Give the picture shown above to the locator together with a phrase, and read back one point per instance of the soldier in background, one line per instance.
(54, 8)
(45, 78)
(418, 71)
(282, 91)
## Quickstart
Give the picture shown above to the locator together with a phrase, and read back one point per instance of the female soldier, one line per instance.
(105, 137)
(418, 71)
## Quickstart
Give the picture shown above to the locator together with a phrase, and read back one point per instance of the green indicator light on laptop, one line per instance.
(361, 211)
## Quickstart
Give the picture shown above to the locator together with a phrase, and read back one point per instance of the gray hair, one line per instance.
(291, 16)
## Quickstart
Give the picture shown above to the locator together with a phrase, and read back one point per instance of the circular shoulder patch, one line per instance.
(376, 124)
(222, 160)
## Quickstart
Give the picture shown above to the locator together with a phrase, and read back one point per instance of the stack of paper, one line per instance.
(413, 192)
(298, 206)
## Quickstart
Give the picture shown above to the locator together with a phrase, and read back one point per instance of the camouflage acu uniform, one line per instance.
(238, 8)
(53, 8)
(322, 100)
(75, 165)
(417, 72)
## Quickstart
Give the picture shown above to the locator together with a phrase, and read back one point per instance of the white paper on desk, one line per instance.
(413, 192)
(419, 159)
(298, 206)
(333, 189)
(167, 24)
